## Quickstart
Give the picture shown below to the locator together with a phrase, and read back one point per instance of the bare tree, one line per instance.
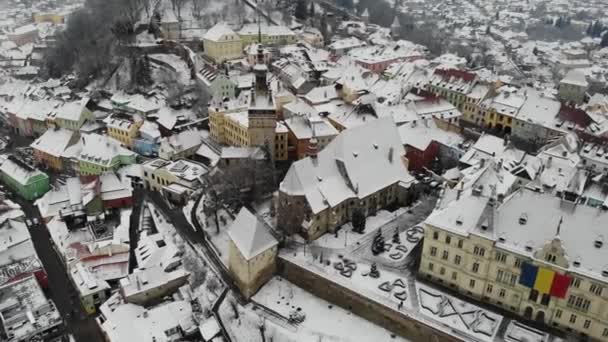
(290, 214)
(178, 6)
(239, 11)
(176, 90)
(197, 7)
(234, 306)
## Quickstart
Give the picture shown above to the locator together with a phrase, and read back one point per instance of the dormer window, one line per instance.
(523, 219)
(599, 242)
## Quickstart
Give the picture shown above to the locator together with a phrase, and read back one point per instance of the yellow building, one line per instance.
(48, 149)
(253, 252)
(55, 18)
(221, 43)
(538, 255)
(271, 34)
(123, 129)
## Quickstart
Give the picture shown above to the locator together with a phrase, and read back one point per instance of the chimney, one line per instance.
(459, 191)
(313, 149)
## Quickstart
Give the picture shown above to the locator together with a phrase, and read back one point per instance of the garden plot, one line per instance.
(456, 314)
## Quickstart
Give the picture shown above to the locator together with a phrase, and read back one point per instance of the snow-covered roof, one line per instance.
(358, 162)
(420, 135)
(53, 141)
(130, 322)
(305, 127)
(70, 111)
(149, 279)
(18, 170)
(575, 77)
(250, 235)
(101, 150)
(218, 32)
(270, 30)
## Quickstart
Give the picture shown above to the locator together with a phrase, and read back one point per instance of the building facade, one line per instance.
(538, 255)
(253, 252)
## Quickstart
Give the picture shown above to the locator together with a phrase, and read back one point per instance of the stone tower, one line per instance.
(262, 116)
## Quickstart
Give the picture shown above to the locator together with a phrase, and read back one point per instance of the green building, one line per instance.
(23, 179)
(101, 154)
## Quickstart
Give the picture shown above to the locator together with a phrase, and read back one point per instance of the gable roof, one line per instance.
(53, 141)
(218, 32)
(358, 162)
(250, 235)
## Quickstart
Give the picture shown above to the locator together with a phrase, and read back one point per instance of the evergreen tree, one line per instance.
(373, 272)
(324, 29)
(347, 4)
(488, 30)
(301, 10)
(312, 10)
(497, 15)
(535, 51)
(604, 42)
(378, 244)
(559, 22)
(396, 238)
(589, 29)
(358, 220)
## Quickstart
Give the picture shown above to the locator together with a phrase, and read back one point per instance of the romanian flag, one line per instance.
(528, 274)
(544, 280)
(561, 283)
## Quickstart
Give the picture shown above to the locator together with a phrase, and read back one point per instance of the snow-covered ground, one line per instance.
(219, 237)
(517, 332)
(182, 72)
(345, 237)
(389, 288)
(457, 314)
(286, 298)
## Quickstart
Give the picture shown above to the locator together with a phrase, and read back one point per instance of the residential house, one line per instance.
(73, 115)
(150, 285)
(100, 154)
(180, 145)
(573, 87)
(27, 313)
(124, 129)
(302, 128)
(23, 179)
(49, 148)
(177, 180)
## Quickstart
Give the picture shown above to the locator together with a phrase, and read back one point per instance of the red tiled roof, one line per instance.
(576, 115)
(455, 73)
(427, 95)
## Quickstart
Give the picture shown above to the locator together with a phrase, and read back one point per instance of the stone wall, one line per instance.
(391, 319)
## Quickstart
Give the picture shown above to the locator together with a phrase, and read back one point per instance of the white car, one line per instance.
(28, 223)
